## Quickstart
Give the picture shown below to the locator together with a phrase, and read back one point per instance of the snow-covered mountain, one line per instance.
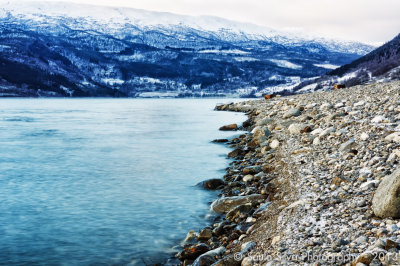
(66, 49)
(380, 65)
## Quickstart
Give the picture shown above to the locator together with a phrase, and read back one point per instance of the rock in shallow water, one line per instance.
(211, 184)
(229, 127)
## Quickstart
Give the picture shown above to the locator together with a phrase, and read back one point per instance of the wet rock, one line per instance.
(212, 184)
(191, 235)
(220, 140)
(209, 257)
(252, 170)
(205, 234)
(386, 201)
(223, 205)
(229, 127)
(238, 211)
(191, 252)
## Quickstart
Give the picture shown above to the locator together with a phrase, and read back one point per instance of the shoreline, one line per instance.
(301, 186)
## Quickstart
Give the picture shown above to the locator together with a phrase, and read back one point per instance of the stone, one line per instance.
(191, 252)
(248, 261)
(386, 201)
(391, 244)
(220, 140)
(326, 132)
(238, 211)
(229, 127)
(204, 261)
(317, 141)
(274, 144)
(224, 205)
(190, 236)
(260, 132)
(205, 234)
(296, 128)
(365, 172)
(291, 113)
(347, 145)
(364, 258)
(212, 184)
(264, 122)
(252, 170)
(378, 119)
(229, 260)
(316, 131)
(364, 136)
(248, 178)
(209, 257)
(395, 137)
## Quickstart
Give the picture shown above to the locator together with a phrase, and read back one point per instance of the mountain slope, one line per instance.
(59, 49)
(380, 65)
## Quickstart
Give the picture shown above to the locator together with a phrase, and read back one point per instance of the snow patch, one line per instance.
(246, 59)
(113, 82)
(327, 66)
(285, 64)
(236, 51)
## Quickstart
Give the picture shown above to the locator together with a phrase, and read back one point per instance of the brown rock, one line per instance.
(191, 252)
(229, 127)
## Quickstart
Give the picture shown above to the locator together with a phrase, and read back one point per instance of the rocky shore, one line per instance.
(314, 182)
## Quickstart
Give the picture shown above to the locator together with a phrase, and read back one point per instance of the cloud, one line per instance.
(362, 20)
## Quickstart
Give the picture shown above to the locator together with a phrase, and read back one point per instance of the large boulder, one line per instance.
(226, 204)
(386, 201)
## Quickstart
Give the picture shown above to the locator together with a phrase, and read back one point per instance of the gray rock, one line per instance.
(292, 112)
(209, 257)
(386, 201)
(347, 145)
(296, 128)
(223, 205)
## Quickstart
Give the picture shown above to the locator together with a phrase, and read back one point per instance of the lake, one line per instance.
(105, 181)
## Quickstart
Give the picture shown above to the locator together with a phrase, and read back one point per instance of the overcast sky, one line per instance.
(371, 21)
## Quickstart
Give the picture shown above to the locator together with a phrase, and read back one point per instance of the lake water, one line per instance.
(105, 181)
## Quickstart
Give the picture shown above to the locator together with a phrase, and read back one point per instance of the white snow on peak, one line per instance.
(118, 17)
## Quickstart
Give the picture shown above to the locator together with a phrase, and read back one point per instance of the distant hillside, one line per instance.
(380, 65)
(65, 49)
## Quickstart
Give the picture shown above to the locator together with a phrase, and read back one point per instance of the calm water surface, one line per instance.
(105, 181)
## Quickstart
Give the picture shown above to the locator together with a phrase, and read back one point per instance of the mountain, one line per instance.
(380, 65)
(65, 49)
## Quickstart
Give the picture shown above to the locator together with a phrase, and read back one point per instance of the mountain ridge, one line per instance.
(96, 57)
(380, 65)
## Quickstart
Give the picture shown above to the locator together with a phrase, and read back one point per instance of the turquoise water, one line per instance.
(105, 181)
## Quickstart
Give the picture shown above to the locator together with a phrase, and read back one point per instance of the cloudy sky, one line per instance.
(371, 21)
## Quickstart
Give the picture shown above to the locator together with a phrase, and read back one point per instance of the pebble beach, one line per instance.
(313, 182)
